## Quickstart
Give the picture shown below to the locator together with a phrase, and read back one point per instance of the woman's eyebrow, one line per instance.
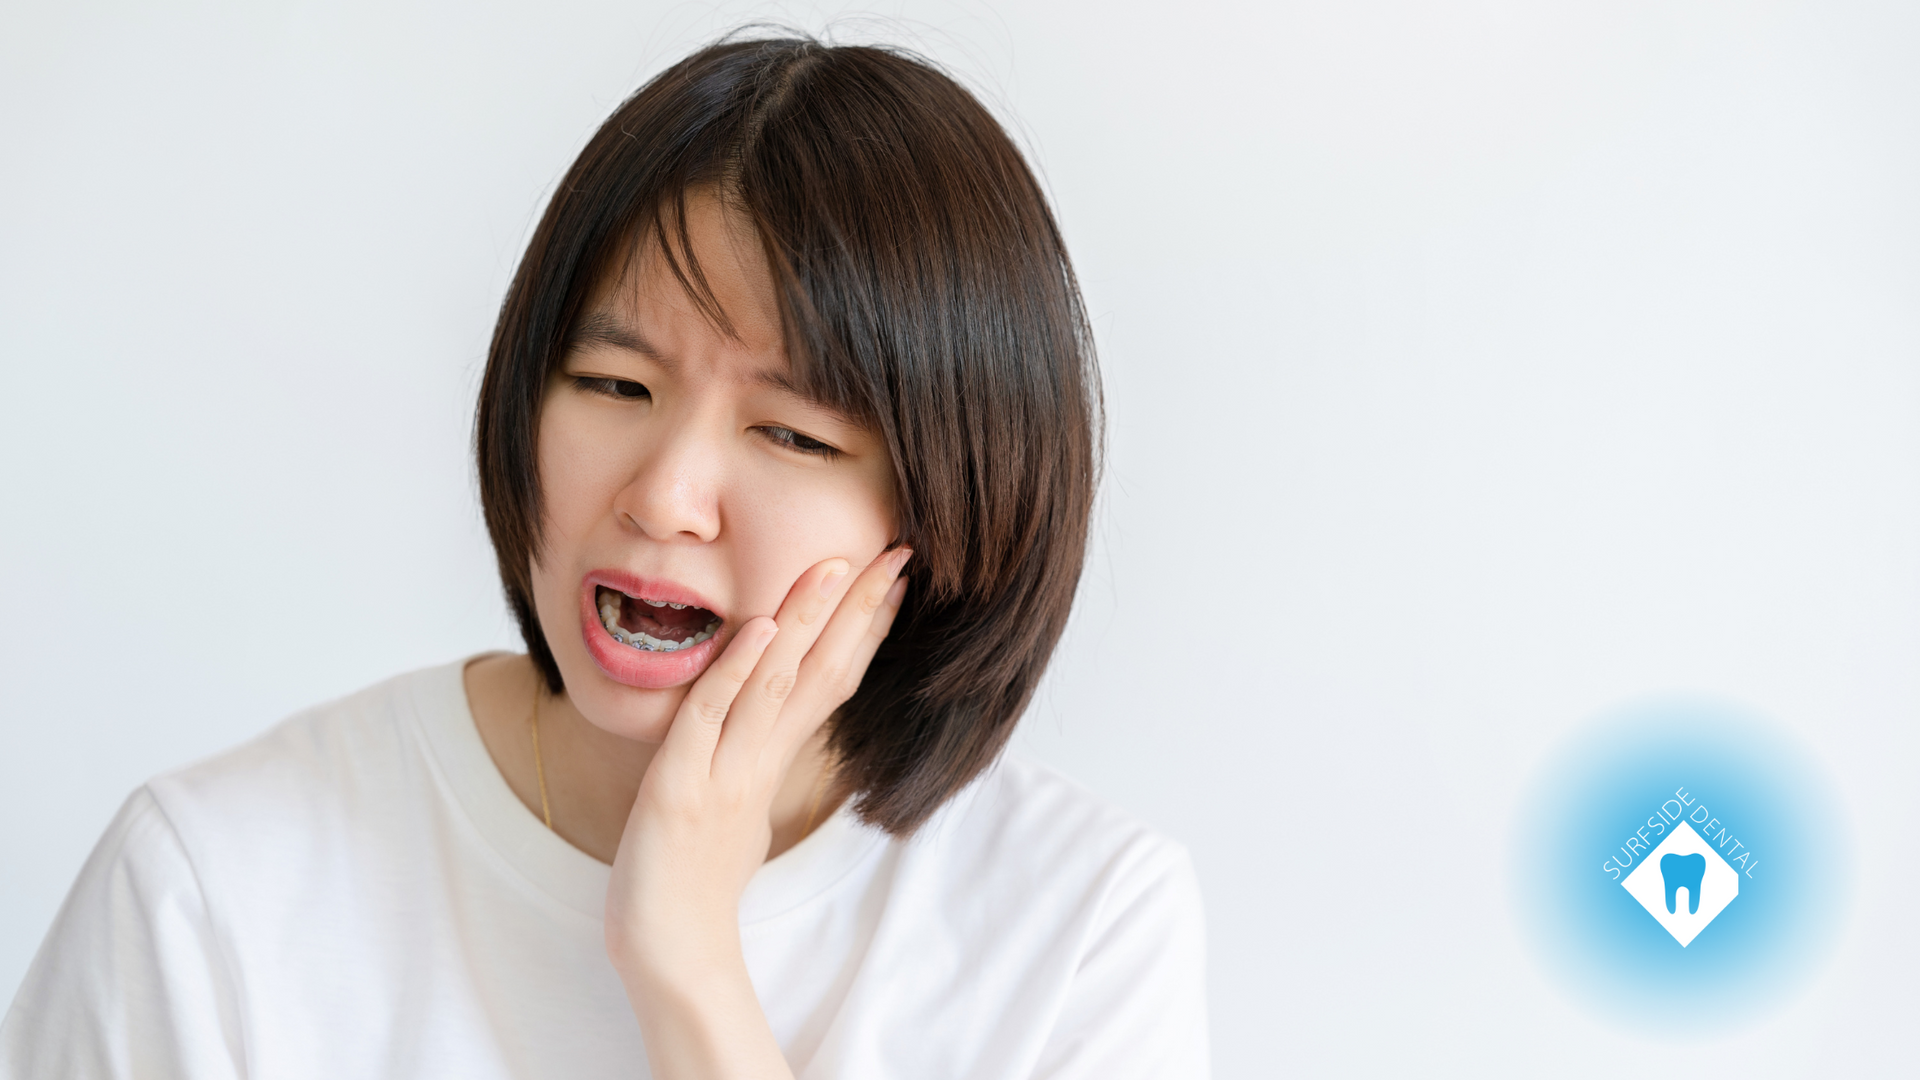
(785, 383)
(601, 328)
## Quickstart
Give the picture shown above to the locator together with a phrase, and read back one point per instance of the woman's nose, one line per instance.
(674, 493)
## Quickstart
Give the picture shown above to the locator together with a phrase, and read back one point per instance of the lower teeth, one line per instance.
(610, 618)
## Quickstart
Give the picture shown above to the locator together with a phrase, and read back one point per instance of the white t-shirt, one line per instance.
(358, 893)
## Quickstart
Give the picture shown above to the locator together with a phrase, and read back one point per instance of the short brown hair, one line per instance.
(925, 291)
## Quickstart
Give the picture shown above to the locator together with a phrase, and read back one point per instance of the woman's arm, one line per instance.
(130, 981)
(700, 826)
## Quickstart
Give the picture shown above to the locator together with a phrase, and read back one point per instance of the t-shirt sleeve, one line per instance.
(1137, 1007)
(130, 980)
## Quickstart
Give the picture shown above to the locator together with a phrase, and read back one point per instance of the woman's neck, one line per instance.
(592, 776)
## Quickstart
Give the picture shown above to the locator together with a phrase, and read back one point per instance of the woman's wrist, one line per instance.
(676, 956)
(699, 1014)
(681, 985)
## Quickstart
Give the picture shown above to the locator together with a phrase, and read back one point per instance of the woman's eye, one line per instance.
(806, 444)
(624, 389)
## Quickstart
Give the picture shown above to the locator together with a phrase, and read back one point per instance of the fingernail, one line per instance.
(897, 593)
(900, 559)
(833, 578)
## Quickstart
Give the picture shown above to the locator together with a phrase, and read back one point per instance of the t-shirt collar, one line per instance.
(565, 873)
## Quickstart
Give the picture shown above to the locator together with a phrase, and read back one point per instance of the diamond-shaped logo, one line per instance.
(1683, 884)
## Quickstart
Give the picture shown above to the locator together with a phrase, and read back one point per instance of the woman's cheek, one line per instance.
(783, 520)
(779, 536)
(579, 477)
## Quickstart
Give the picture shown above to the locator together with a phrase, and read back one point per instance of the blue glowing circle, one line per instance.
(1585, 807)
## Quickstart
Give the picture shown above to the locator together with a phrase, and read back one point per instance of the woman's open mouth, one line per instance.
(649, 633)
(653, 625)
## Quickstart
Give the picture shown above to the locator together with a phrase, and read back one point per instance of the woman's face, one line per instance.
(686, 485)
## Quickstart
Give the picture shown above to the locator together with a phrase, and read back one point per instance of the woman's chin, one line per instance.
(631, 713)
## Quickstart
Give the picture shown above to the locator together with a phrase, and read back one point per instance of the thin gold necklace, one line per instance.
(539, 767)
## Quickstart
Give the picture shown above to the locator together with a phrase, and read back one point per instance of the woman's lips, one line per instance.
(637, 667)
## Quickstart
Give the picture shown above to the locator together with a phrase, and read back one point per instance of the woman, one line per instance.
(787, 446)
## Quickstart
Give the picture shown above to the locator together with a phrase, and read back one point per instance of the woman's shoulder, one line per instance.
(1020, 795)
(1052, 909)
(1028, 827)
(347, 758)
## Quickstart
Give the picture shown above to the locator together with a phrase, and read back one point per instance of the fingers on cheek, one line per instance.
(836, 570)
(779, 685)
(807, 602)
(870, 598)
(747, 646)
(876, 592)
(841, 681)
(888, 607)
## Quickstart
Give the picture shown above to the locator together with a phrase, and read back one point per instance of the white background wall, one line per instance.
(1473, 368)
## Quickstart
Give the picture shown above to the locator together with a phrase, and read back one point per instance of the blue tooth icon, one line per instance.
(1683, 871)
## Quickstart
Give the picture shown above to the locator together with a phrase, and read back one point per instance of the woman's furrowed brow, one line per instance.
(601, 328)
(779, 380)
(785, 383)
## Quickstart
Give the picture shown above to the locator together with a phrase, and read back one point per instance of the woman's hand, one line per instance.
(700, 825)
